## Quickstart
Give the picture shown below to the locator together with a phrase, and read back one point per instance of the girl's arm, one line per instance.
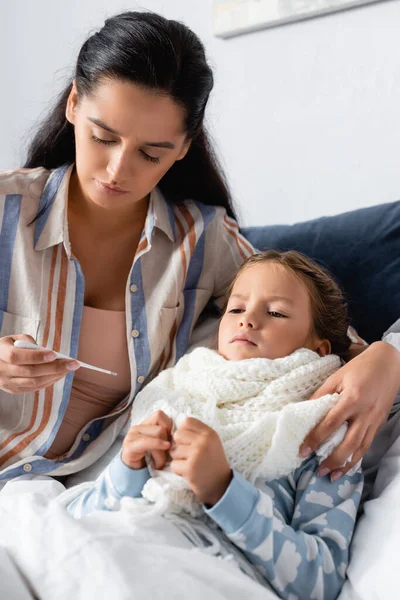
(127, 473)
(295, 530)
(116, 481)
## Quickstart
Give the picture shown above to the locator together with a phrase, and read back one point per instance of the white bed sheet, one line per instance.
(105, 555)
(100, 556)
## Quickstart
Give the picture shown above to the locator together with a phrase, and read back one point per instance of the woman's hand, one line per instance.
(198, 456)
(368, 385)
(23, 371)
(151, 436)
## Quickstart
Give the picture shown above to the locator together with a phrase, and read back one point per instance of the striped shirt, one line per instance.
(187, 255)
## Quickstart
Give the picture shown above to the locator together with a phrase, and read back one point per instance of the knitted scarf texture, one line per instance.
(257, 406)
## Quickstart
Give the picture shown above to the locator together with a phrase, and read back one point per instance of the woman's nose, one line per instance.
(119, 167)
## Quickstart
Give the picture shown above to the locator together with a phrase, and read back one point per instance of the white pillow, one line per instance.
(373, 573)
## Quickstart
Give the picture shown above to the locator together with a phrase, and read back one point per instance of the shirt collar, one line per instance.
(52, 219)
(160, 215)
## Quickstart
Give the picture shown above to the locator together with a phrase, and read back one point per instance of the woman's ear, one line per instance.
(72, 103)
(185, 149)
(323, 347)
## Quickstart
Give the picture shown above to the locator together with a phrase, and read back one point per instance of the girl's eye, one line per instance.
(100, 141)
(277, 315)
(236, 311)
(152, 159)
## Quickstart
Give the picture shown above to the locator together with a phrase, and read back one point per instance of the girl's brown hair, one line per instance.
(328, 306)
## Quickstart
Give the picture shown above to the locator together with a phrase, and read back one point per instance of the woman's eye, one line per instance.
(152, 159)
(100, 141)
(236, 311)
(277, 315)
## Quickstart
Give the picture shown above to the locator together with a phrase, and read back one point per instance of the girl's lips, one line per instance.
(109, 189)
(242, 339)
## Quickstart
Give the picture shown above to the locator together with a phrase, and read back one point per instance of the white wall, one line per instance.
(306, 116)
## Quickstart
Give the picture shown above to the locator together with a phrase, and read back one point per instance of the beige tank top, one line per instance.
(102, 343)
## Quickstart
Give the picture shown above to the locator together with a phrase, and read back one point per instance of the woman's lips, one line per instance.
(110, 189)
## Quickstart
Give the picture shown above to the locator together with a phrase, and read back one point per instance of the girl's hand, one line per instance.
(198, 456)
(368, 385)
(152, 436)
(23, 371)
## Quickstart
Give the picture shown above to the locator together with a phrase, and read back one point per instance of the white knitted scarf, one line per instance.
(256, 406)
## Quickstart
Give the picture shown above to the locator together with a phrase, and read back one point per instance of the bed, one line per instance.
(45, 554)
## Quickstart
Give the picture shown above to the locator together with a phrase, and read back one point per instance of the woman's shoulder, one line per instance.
(23, 182)
(207, 214)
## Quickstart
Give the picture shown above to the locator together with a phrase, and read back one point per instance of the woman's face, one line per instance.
(127, 137)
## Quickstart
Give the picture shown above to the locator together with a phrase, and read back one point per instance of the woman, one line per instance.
(105, 258)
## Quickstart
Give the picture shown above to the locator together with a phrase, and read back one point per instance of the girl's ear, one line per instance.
(72, 103)
(323, 347)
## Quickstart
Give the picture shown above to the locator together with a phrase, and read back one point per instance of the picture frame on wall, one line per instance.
(235, 17)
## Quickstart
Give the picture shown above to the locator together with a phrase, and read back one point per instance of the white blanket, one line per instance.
(105, 556)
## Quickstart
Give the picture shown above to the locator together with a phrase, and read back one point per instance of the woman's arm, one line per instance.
(295, 530)
(224, 241)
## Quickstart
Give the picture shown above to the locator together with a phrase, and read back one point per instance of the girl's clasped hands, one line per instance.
(194, 452)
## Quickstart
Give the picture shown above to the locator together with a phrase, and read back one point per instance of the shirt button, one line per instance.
(86, 437)
(133, 288)
(27, 468)
(140, 379)
(135, 333)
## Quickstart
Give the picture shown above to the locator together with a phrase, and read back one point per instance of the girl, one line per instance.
(237, 452)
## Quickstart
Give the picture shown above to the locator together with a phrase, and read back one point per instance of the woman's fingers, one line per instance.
(54, 369)
(330, 386)
(328, 425)
(357, 456)
(25, 385)
(23, 371)
(350, 445)
(18, 380)
(20, 356)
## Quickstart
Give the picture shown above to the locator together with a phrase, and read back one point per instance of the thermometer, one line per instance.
(31, 346)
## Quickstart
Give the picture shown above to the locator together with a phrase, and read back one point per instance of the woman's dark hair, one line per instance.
(328, 306)
(156, 53)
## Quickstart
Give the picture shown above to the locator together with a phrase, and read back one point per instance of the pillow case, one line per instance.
(362, 250)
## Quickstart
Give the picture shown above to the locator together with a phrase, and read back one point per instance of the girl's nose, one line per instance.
(246, 322)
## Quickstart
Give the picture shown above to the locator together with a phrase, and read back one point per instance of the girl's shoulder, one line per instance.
(23, 182)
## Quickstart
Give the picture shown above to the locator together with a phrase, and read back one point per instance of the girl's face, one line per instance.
(268, 316)
(127, 137)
